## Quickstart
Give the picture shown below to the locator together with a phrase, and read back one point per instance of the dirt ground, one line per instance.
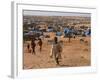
(74, 54)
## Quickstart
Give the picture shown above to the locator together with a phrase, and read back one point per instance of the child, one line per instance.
(40, 44)
(28, 47)
(56, 50)
(33, 45)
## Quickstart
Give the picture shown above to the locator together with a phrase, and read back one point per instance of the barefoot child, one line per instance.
(28, 47)
(33, 45)
(40, 44)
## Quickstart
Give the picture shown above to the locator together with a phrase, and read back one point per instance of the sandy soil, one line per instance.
(74, 54)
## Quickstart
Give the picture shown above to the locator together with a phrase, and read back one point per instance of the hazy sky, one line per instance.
(49, 13)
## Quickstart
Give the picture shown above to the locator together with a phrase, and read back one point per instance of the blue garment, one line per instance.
(66, 30)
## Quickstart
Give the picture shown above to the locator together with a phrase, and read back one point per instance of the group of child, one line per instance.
(56, 48)
(31, 47)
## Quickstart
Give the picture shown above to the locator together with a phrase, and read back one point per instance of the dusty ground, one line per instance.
(74, 54)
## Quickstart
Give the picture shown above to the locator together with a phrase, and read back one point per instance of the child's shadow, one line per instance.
(63, 65)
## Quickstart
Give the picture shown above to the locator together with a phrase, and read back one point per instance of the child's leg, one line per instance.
(57, 61)
(34, 50)
(40, 48)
